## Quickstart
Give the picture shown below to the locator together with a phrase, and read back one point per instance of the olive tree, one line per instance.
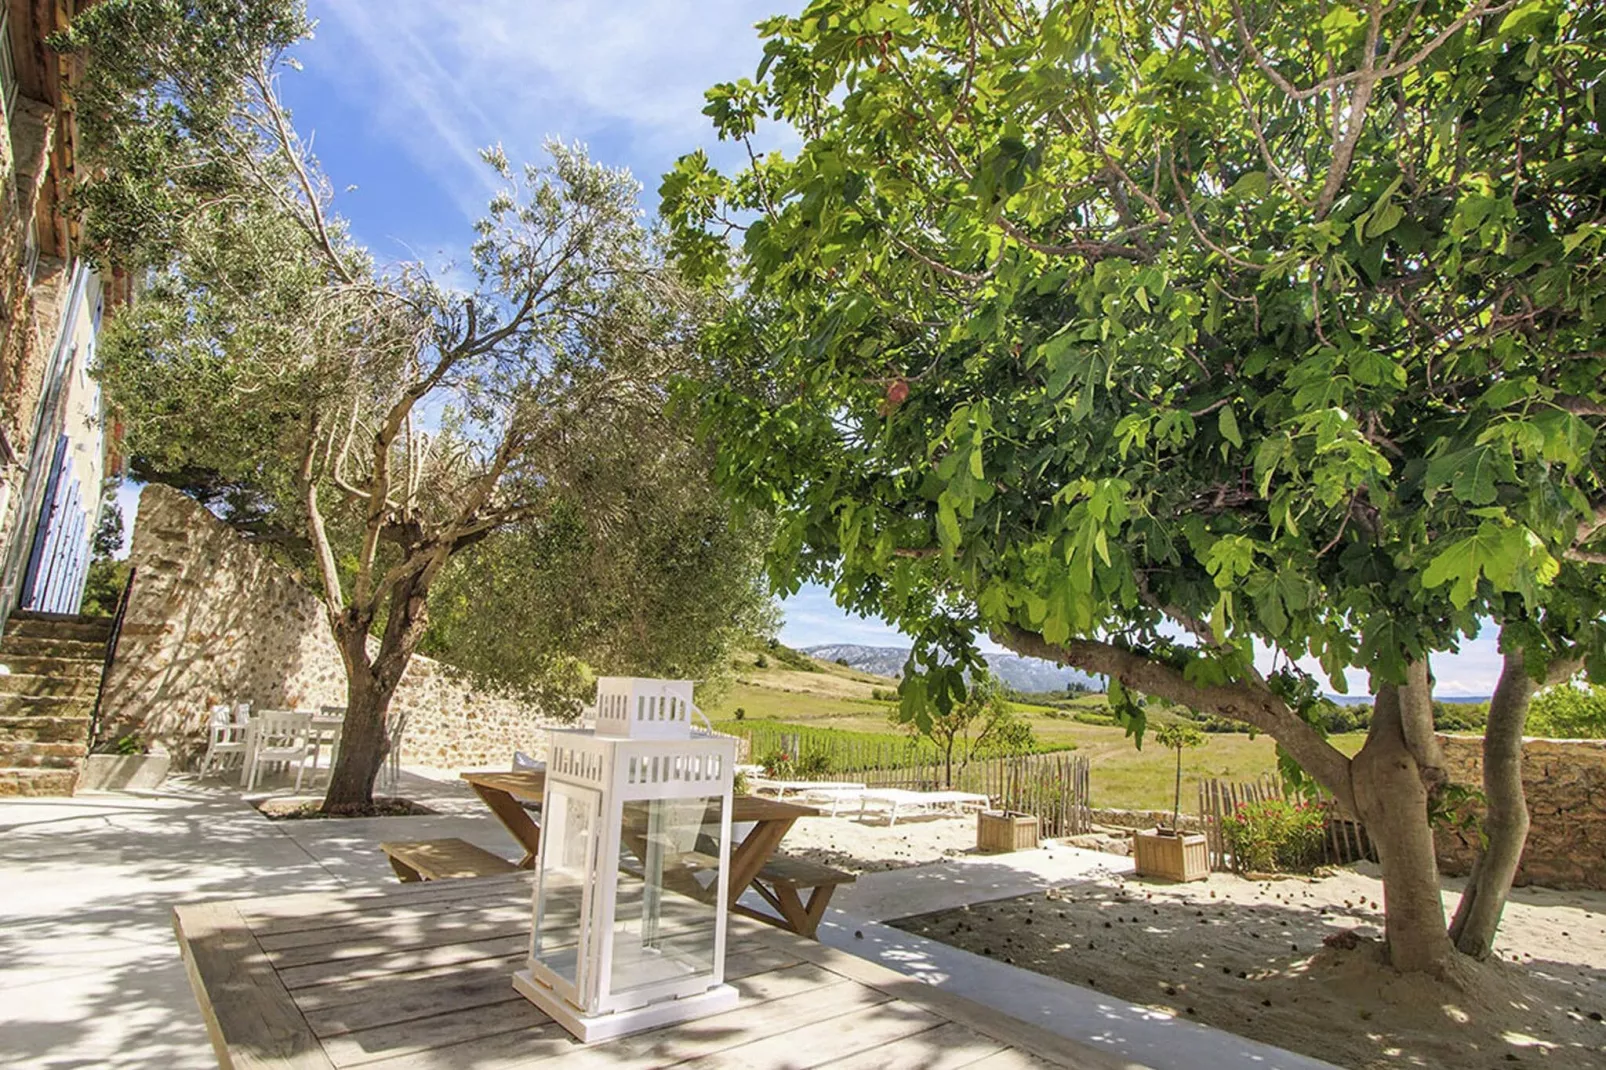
(399, 419)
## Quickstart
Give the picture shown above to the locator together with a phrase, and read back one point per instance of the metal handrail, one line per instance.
(111, 655)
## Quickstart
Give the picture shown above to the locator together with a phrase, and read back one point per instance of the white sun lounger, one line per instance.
(897, 799)
(799, 787)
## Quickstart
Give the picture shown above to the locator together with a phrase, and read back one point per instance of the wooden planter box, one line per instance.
(998, 831)
(1173, 858)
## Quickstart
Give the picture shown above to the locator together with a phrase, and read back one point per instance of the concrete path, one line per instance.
(90, 975)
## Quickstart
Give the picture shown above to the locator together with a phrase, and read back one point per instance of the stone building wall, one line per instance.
(212, 618)
(1565, 780)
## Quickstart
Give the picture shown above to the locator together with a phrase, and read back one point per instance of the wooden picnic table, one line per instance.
(421, 976)
(772, 819)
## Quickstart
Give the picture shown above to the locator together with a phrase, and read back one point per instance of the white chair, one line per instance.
(392, 770)
(280, 736)
(226, 737)
(327, 725)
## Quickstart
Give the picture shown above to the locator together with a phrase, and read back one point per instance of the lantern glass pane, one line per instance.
(567, 835)
(666, 910)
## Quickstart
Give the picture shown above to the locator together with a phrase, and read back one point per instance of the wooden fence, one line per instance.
(1345, 839)
(1053, 787)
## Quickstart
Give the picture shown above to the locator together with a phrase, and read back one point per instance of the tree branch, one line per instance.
(1251, 703)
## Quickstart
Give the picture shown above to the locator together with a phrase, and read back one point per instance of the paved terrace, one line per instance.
(90, 974)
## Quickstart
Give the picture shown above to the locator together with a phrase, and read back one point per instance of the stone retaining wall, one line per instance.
(1146, 819)
(212, 618)
(1565, 780)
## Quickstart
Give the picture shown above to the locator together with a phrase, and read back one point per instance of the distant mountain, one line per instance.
(1022, 674)
(1366, 700)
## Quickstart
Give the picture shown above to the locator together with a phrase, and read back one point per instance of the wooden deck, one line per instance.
(420, 977)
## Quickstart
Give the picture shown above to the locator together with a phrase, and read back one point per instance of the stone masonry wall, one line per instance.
(1565, 780)
(211, 618)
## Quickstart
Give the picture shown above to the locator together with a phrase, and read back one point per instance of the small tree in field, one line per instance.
(1178, 736)
(983, 723)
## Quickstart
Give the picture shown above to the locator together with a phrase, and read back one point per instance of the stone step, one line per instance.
(38, 729)
(53, 685)
(38, 665)
(21, 646)
(38, 781)
(56, 626)
(16, 755)
(46, 705)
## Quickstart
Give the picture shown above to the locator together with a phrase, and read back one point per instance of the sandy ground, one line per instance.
(1248, 957)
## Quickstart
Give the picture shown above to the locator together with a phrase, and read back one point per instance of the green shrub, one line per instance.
(740, 713)
(813, 766)
(1460, 716)
(1569, 711)
(761, 662)
(1275, 836)
(789, 658)
(884, 694)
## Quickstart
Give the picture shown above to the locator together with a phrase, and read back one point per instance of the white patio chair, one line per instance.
(280, 737)
(392, 770)
(327, 725)
(225, 738)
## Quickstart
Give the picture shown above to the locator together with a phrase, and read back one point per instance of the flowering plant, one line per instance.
(1275, 835)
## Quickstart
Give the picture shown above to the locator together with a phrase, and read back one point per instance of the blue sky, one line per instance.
(398, 98)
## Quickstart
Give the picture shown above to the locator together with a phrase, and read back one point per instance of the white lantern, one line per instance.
(632, 884)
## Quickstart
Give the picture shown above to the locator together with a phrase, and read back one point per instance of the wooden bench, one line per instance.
(780, 882)
(434, 860)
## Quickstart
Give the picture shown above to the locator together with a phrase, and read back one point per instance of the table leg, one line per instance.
(515, 819)
(751, 854)
(801, 918)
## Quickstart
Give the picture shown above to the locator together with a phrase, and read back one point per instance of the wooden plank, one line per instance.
(390, 924)
(360, 995)
(391, 1003)
(817, 1043)
(399, 911)
(771, 1001)
(510, 1013)
(249, 1015)
(322, 910)
(460, 1030)
(359, 941)
(401, 960)
(947, 1047)
(985, 1020)
(332, 1009)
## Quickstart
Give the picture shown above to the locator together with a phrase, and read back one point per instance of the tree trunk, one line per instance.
(370, 686)
(1505, 823)
(1394, 775)
(364, 742)
(1176, 800)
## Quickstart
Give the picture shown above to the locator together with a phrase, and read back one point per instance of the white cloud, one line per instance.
(448, 78)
